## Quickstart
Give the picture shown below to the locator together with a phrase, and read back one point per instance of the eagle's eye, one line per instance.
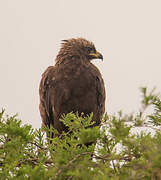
(91, 50)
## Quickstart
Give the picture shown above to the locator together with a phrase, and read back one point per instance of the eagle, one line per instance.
(73, 84)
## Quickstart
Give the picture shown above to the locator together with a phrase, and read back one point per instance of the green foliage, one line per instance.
(113, 151)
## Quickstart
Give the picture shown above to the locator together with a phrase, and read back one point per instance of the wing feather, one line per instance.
(45, 105)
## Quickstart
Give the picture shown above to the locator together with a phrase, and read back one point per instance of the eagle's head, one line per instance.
(78, 48)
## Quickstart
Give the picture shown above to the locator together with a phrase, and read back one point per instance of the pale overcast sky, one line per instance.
(126, 32)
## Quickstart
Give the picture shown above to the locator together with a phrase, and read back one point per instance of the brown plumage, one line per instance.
(74, 84)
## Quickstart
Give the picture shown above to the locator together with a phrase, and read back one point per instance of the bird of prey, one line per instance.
(73, 84)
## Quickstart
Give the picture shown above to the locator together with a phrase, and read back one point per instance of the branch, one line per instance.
(71, 161)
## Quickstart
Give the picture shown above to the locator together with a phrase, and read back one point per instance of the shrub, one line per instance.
(119, 154)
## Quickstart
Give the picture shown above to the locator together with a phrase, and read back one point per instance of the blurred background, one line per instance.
(127, 33)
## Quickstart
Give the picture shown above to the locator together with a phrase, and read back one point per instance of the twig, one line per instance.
(71, 161)
(113, 164)
(34, 143)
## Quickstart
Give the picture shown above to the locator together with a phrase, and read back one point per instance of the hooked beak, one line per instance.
(96, 55)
